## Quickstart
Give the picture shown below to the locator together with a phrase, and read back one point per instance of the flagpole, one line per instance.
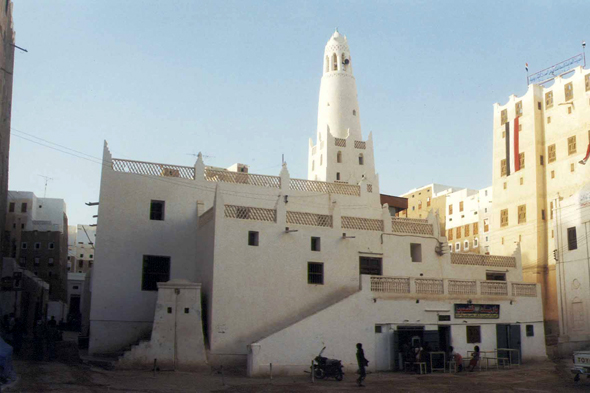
(527, 73)
(584, 52)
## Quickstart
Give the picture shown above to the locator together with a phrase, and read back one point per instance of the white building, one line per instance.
(289, 265)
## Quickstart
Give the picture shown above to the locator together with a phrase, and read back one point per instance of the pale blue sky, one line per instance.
(239, 81)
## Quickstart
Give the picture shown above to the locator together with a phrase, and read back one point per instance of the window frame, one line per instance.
(315, 277)
(504, 218)
(316, 243)
(473, 334)
(253, 238)
(152, 283)
(154, 214)
(572, 239)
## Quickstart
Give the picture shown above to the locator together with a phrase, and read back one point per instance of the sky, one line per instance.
(239, 81)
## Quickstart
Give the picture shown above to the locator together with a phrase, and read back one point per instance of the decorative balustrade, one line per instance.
(390, 284)
(429, 286)
(364, 224)
(250, 213)
(340, 142)
(324, 188)
(494, 288)
(242, 178)
(411, 225)
(369, 188)
(529, 290)
(462, 287)
(482, 260)
(153, 169)
(455, 287)
(300, 218)
(360, 145)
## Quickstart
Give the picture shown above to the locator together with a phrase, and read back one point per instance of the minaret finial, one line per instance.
(336, 29)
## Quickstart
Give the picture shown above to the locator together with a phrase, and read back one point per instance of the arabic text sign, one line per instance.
(477, 311)
(557, 69)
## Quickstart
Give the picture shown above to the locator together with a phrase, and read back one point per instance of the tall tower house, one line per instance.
(340, 154)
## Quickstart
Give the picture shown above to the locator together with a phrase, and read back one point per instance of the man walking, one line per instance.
(360, 358)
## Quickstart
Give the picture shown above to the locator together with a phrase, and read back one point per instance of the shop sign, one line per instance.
(477, 311)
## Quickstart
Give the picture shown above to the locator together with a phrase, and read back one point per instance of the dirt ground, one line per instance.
(59, 376)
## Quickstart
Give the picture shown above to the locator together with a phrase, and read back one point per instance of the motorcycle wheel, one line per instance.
(339, 376)
(319, 373)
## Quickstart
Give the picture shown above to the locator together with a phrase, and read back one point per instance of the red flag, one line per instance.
(583, 162)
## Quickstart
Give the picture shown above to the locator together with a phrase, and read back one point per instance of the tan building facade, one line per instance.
(540, 142)
(467, 222)
(423, 200)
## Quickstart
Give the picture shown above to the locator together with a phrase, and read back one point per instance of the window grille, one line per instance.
(518, 109)
(571, 145)
(315, 273)
(551, 154)
(521, 160)
(504, 117)
(157, 210)
(503, 168)
(504, 218)
(548, 99)
(572, 239)
(569, 91)
(521, 214)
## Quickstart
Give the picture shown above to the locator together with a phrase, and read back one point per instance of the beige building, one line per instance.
(423, 200)
(533, 172)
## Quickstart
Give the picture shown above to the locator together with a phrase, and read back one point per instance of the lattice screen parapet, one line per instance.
(529, 290)
(242, 178)
(462, 287)
(360, 145)
(429, 286)
(494, 288)
(340, 142)
(324, 188)
(318, 220)
(153, 169)
(482, 260)
(390, 284)
(410, 225)
(250, 213)
(364, 224)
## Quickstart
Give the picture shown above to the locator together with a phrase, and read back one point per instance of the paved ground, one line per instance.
(67, 374)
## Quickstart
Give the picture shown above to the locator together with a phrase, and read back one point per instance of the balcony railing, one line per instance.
(411, 226)
(242, 178)
(435, 286)
(153, 169)
(482, 260)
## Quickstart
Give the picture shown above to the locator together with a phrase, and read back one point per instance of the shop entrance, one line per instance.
(508, 336)
(405, 338)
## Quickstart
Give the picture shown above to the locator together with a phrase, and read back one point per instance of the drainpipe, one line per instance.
(562, 300)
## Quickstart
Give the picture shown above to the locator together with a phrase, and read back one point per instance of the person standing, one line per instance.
(362, 362)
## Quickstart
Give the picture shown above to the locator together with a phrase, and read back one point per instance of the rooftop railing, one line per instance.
(153, 169)
(411, 226)
(482, 260)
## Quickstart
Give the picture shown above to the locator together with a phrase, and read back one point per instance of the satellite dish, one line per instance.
(345, 61)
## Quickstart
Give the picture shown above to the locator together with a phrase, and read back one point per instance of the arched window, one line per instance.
(327, 64)
(335, 62)
(339, 157)
(361, 159)
(337, 175)
(354, 112)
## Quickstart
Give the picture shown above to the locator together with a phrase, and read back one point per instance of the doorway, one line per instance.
(404, 339)
(508, 336)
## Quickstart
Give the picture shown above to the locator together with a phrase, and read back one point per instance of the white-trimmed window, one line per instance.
(23, 245)
(451, 247)
(466, 245)
(475, 243)
(37, 245)
(457, 246)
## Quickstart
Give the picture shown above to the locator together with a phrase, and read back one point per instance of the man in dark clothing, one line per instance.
(360, 358)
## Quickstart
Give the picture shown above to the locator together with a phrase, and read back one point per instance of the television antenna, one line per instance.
(196, 155)
(47, 179)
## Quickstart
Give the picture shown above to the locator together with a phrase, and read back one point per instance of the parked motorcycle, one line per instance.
(327, 368)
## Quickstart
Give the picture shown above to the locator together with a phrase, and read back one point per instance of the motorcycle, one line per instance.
(327, 368)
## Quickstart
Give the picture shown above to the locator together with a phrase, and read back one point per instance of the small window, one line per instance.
(458, 230)
(428, 201)
(50, 262)
(551, 153)
(571, 145)
(316, 244)
(23, 208)
(466, 230)
(339, 157)
(569, 110)
(495, 276)
(504, 117)
(37, 261)
(450, 234)
(541, 159)
(451, 247)
(37, 246)
(466, 245)
(505, 186)
(461, 206)
(75, 287)
(569, 91)
(80, 264)
(157, 210)
(572, 239)
(354, 112)
(504, 218)
(337, 175)
(503, 168)
(419, 205)
(371, 266)
(521, 181)
(155, 269)
(416, 252)
(572, 167)
(518, 108)
(378, 329)
(81, 255)
(548, 99)
(521, 214)
(539, 105)
(473, 334)
(361, 159)
(542, 214)
(450, 209)
(51, 245)
(457, 247)
(476, 227)
(11, 207)
(90, 256)
(315, 273)
(313, 165)
(521, 160)
(475, 243)
(252, 238)
(530, 329)
(23, 245)
(50, 274)
(551, 210)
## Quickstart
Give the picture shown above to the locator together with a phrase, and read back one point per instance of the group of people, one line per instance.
(458, 359)
(414, 355)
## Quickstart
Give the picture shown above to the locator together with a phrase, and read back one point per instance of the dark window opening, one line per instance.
(186, 310)
(157, 210)
(473, 334)
(530, 330)
(23, 208)
(572, 239)
(315, 273)
(495, 276)
(315, 244)
(155, 269)
(11, 207)
(337, 175)
(416, 252)
(252, 238)
(378, 329)
(371, 266)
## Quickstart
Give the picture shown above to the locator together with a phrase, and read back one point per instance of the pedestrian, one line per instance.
(457, 358)
(474, 358)
(360, 358)
(52, 322)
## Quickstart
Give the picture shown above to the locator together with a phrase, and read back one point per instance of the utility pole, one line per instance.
(47, 179)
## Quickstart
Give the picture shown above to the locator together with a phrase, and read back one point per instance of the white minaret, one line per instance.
(341, 154)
